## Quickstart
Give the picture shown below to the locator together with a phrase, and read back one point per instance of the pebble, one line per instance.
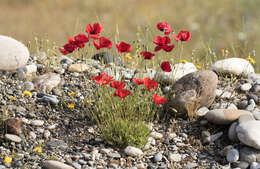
(255, 165)
(156, 135)
(175, 157)
(76, 165)
(232, 155)
(37, 122)
(251, 105)
(28, 86)
(13, 138)
(114, 155)
(49, 99)
(256, 114)
(246, 87)
(202, 111)
(240, 164)
(46, 134)
(158, 157)
(32, 135)
(133, 151)
(245, 118)
(78, 68)
(2, 167)
(191, 165)
(51, 127)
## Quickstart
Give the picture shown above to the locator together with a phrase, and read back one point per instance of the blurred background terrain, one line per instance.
(215, 25)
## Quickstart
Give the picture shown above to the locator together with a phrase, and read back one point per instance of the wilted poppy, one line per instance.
(138, 81)
(117, 84)
(150, 84)
(147, 55)
(165, 27)
(123, 47)
(94, 31)
(183, 36)
(122, 93)
(163, 43)
(158, 99)
(166, 66)
(102, 79)
(103, 43)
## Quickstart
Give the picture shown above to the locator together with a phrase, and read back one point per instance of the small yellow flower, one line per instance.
(12, 98)
(89, 101)
(183, 61)
(71, 93)
(198, 67)
(70, 106)
(227, 51)
(7, 159)
(27, 93)
(128, 56)
(251, 60)
(38, 149)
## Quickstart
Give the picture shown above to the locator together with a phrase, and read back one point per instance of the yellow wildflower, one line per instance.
(198, 67)
(70, 106)
(12, 98)
(89, 101)
(128, 56)
(71, 93)
(183, 61)
(38, 149)
(227, 51)
(251, 60)
(27, 93)
(7, 159)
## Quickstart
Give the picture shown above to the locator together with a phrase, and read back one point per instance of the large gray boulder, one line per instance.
(13, 54)
(193, 91)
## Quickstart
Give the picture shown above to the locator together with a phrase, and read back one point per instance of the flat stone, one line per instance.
(236, 66)
(52, 164)
(13, 54)
(224, 116)
(245, 87)
(133, 151)
(12, 137)
(37, 122)
(52, 99)
(79, 67)
(248, 133)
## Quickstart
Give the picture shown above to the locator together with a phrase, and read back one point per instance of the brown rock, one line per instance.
(13, 126)
(192, 92)
(224, 116)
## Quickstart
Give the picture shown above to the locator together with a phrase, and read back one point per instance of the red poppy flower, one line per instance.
(117, 84)
(163, 43)
(158, 99)
(150, 84)
(122, 93)
(102, 79)
(123, 47)
(94, 31)
(103, 43)
(165, 27)
(80, 40)
(182, 36)
(147, 55)
(166, 66)
(138, 81)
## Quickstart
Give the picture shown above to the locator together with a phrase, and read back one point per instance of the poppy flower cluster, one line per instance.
(93, 32)
(149, 84)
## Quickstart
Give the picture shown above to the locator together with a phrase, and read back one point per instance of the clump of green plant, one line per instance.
(122, 111)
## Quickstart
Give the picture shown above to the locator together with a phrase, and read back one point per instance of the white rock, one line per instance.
(47, 81)
(248, 133)
(37, 122)
(156, 135)
(32, 135)
(13, 54)
(202, 111)
(237, 66)
(245, 87)
(13, 138)
(133, 151)
(255, 165)
(232, 155)
(52, 164)
(178, 72)
(175, 157)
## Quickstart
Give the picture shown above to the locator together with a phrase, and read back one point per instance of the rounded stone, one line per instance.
(246, 87)
(13, 53)
(157, 157)
(193, 91)
(52, 164)
(133, 151)
(12, 137)
(232, 155)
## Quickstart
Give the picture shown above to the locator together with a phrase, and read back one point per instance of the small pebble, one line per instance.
(157, 157)
(37, 122)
